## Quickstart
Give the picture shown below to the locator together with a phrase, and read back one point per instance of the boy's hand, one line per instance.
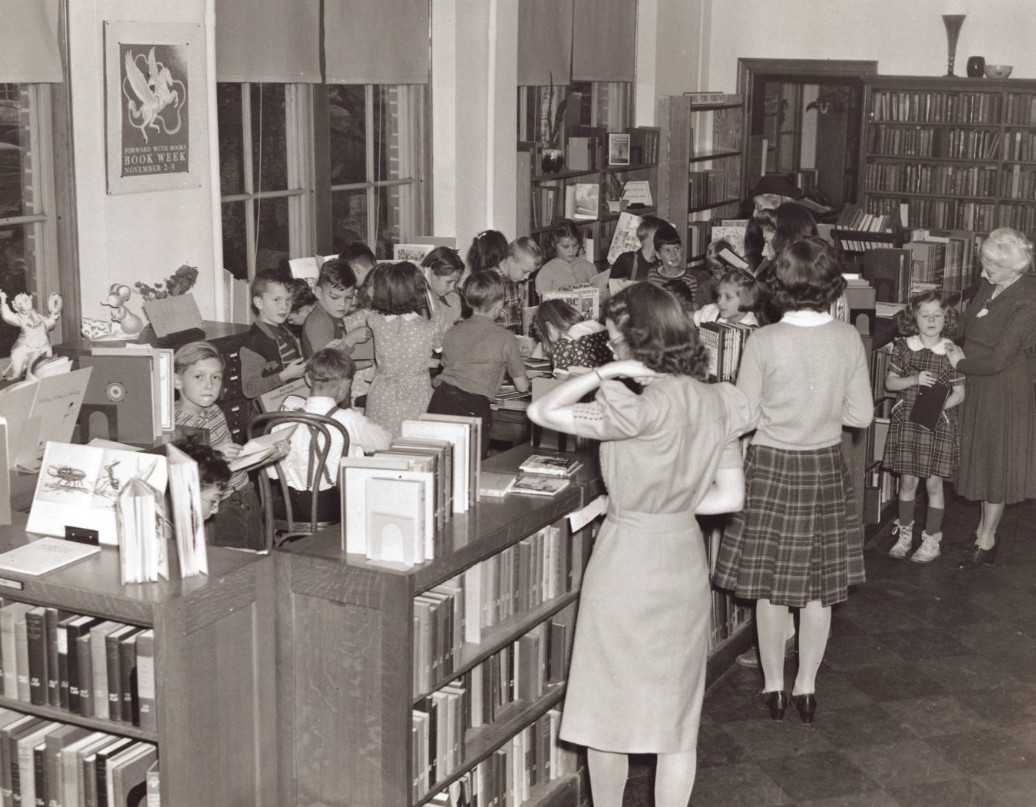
(230, 450)
(293, 370)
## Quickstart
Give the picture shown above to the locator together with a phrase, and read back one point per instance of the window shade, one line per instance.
(30, 49)
(377, 41)
(544, 41)
(268, 40)
(604, 40)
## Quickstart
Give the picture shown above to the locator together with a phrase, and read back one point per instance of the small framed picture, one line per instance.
(618, 149)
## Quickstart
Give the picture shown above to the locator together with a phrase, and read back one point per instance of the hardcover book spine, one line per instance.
(36, 647)
(114, 677)
(146, 680)
(39, 760)
(127, 681)
(85, 664)
(22, 658)
(50, 623)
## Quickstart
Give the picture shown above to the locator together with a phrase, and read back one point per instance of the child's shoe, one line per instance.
(929, 549)
(906, 540)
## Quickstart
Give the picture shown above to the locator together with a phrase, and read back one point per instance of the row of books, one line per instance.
(710, 187)
(956, 180)
(935, 107)
(88, 666)
(1020, 145)
(644, 142)
(521, 672)
(1021, 217)
(1020, 109)
(946, 214)
(945, 257)
(941, 142)
(1019, 183)
(724, 342)
(728, 617)
(45, 762)
(531, 758)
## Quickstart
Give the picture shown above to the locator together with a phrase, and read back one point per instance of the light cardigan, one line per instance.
(805, 377)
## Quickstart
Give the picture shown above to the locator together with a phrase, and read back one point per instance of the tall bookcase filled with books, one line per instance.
(955, 154)
(179, 673)
(700, 160)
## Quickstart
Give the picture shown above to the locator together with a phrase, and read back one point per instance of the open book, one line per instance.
(264, 449)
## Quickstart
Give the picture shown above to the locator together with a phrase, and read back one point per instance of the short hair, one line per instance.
(487, 249)
(213, 469)
(329, 366)
(264, 279)
(906, 319)
(557, 313)
(791, 221)
(656, 330)
(336, 274)
(666, 235)
(1008, 249)
(648, 225)
(525, 245)
(747, 288)
(443, 262)
(356, 251)
(483, 290)
(194, 352)
(807, 276)
(398, 288)
(564, 228)
(301, 294)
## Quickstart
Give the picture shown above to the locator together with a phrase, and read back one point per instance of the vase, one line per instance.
(552, 160)
(953, 23)
(976, 67)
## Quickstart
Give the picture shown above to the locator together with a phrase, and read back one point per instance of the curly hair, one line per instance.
(213, 469)
(1008, 249)
(656, 330)
(807, 276)
(398, 288)
(747, 288)
(906, 319)
(557, 313)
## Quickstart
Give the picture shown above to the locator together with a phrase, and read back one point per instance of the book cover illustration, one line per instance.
(537, 485)
(550, 465)
(44, 555)
(585, 299)
(588, 200)
(624, 239)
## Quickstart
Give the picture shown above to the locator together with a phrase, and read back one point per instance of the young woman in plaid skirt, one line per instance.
(796, 543)
(913, 451)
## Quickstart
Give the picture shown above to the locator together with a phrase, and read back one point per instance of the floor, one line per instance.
(927, 695)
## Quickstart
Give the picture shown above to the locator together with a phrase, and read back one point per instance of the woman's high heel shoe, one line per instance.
(776, 702)
(807, 706)
(978, 557)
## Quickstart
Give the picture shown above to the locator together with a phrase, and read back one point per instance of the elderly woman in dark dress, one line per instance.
(998, 421)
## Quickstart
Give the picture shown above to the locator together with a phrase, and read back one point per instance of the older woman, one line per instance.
(998, 422)
(637, 676)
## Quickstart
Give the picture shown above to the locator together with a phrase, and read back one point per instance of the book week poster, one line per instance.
(153, 117)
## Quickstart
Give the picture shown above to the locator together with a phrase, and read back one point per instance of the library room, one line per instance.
(378, 377)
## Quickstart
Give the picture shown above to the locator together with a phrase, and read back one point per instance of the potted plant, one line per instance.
(552, 155)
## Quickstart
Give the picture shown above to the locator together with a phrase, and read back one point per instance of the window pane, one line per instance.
(348, 115)
(272, 228)
(235, 246)
(231, 139)
(17, 262)
(388, 200)
(16, 181)
(349, 218)
(269, 138)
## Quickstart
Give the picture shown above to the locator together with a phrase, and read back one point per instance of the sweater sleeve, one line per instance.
(253, 381)
(316, 333)
(1018, 334)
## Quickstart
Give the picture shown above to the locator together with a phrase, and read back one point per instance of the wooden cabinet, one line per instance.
(214, 652)
(955, 153)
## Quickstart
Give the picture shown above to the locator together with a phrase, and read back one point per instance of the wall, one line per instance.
(670, 60)
(140, 236)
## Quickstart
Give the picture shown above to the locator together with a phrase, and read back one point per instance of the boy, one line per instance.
(672, 273)
(335, 291)
(524, 258)
(330, 375)
(360, 259)
(270, 354)
(636, 264)
(476, 352)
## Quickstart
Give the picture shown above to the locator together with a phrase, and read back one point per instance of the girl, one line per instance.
(443, 269)
(637, 675)
(567, 268)
(487, 250)
(405, 334)
(568, 340)
(795, 544)
(914, 451)
(736, 298)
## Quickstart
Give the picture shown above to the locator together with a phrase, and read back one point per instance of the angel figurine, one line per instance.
(33, 341)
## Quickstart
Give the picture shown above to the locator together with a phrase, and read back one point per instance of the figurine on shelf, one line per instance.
(33, 341)
(118, 296)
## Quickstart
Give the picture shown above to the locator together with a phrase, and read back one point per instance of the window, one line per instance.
(607, 104)
(375, 164)
(28, 246)
(265, 165)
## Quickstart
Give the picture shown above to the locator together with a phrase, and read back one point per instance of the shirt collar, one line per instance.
(914, 343)
(807, 318)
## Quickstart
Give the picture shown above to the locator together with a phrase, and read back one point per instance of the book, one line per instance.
(495, 485)
(585, 299)
(154, 785)
(354, 474)
(35, 630)
(10, 615)
(26, 763)
(929, 404)
(44, 555)
(69, 672)
(21, 639)
(264, 449)
(5, 473)
(587, 201)
(114, 661)
(70, 764)
(98, 669)
(550, 465)
(66, 734)
(128, 684)
(188, 522)
(46, 410)
(50, 625)
(273, 400)
(141, 523)
(122, 379)
(395, 520)
(127, 774)
(475, 446)
(148, 717)
(536, 485)
(458, 434)
(101, 767)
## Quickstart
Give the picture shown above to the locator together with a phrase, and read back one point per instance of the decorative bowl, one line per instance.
(998, 70)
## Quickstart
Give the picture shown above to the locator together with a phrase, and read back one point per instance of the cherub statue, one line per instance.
(33, 341)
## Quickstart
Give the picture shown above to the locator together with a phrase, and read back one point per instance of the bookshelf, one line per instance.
(700, 159)
(958, 154)
(542, 196)
(213, 643)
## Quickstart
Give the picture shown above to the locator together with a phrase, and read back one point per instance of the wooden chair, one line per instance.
(281, 522)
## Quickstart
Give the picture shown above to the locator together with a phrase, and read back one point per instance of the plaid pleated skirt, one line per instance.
(796, 540)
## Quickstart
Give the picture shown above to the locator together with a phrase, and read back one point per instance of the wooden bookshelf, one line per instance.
(214, 652)
(959, 153)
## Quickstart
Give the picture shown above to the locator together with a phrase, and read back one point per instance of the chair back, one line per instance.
(282, 525)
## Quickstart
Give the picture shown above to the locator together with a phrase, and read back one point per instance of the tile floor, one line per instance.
(927, 695)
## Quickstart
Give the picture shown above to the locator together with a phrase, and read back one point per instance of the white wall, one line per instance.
(140, 236)
(670, 58)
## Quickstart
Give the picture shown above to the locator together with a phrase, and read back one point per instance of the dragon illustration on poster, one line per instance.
(153, 101)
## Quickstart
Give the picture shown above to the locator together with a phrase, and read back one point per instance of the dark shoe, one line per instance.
(776, 702)
(807, 705)
(978, 557)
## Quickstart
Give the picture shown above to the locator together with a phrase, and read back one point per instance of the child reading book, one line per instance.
(567, 268)
(270, 354)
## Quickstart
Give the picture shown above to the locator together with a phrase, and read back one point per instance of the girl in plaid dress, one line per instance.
(796, 543)
(913, 451)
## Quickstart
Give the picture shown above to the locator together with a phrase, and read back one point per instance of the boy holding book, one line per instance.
(270, 354)
(335, 291)
(637, 264)
(476, 352)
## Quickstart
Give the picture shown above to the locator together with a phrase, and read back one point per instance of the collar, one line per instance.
(914, 343)
(271, 330)
(408, 316)
(806, 318)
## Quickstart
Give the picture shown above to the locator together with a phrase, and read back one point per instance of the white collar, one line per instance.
(914, 343)
(806, 318)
